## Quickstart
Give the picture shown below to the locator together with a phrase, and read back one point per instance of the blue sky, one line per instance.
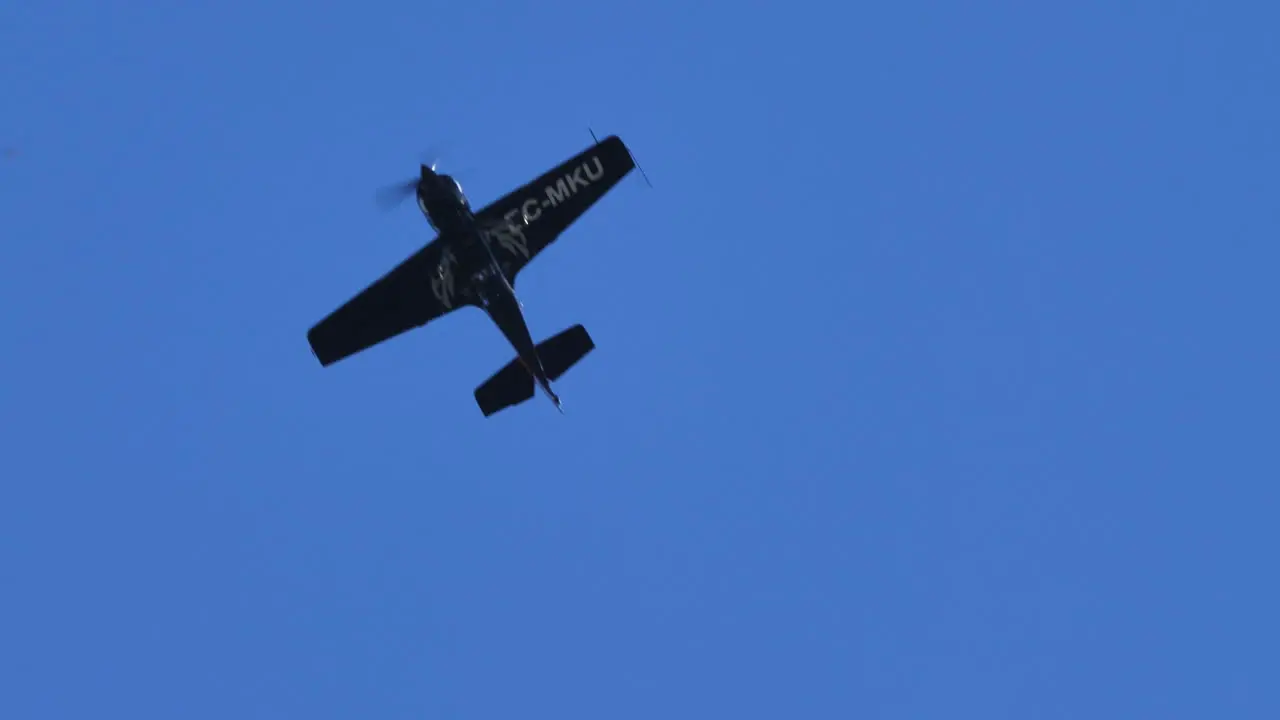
(936, 377)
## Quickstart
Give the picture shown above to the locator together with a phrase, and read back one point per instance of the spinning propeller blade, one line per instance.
(392, 195)
(389, 197)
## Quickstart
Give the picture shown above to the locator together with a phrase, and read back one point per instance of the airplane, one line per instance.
(474, 261)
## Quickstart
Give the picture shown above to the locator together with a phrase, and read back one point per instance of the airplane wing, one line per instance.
(553, 201)
(411, 295)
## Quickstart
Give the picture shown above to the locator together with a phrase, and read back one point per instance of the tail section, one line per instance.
(563, 351)
(509, 386)
(514, 384)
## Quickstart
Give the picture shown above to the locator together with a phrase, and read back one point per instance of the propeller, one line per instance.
(389, 197)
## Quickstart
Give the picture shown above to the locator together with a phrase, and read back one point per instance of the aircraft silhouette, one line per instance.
(473, 261)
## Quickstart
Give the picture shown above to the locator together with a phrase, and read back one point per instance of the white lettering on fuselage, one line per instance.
(513, 241)
(511, 234)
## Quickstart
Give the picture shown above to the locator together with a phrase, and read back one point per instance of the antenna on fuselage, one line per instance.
(633, 159)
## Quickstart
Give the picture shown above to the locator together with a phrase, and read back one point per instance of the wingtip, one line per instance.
(630, 154)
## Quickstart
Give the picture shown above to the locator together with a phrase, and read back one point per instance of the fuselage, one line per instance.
(447, 209)
(445, 205)
(478, 275)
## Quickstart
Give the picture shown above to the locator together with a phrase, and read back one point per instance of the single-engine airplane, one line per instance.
(474, 261)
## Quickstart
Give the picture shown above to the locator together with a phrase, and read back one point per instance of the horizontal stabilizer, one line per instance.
(509, 386)
(514, 384)
(563, 351)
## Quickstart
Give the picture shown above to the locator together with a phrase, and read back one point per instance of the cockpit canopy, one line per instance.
(456, 187)
(440, 194)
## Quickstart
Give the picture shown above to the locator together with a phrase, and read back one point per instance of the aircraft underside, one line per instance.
(444, 275)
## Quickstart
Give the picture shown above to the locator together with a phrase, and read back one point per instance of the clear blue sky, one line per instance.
(936, 378)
